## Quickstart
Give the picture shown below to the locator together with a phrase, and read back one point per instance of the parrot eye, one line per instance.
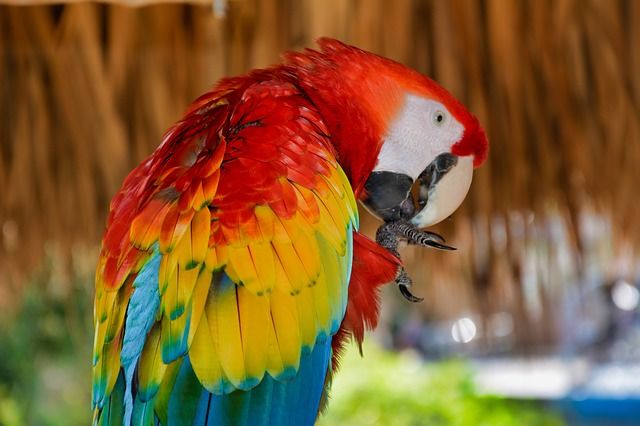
(438, 118)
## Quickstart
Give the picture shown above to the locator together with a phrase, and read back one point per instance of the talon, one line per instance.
(439, 246)
(404, 290)
(404, 282)
(417, 237)
(435, 236)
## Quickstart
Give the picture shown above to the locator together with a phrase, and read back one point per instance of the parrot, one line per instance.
(232, 272)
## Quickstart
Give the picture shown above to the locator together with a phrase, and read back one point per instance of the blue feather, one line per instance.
(143, 414)
(141, 314)
(272, 402)
(185, 396)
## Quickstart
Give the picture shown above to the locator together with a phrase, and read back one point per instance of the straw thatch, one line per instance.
(87, 90)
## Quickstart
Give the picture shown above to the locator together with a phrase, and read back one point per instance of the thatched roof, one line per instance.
(88, 89)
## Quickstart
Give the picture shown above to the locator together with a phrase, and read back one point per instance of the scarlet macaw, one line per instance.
(232, 271)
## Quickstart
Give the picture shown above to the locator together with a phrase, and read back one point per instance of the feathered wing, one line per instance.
(224, 270)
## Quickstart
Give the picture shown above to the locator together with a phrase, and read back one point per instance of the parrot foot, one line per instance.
(389, 236)
(405, 231)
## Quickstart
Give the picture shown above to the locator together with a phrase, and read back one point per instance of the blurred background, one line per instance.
(533, 321)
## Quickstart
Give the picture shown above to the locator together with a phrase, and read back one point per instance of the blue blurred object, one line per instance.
(587, 394)
(601, 411)
(610, 395)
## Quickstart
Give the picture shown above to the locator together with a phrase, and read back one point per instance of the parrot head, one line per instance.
(408, 146)
(425, 163)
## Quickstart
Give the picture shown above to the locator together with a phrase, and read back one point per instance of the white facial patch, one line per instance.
(423, 129)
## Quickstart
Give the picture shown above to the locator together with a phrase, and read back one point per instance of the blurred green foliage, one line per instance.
(45, 353)
(400, 389)
(45, 374)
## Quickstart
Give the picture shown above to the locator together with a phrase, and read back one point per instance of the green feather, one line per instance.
(113, 411)
(185, 396)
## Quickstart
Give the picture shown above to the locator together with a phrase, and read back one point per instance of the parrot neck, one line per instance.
(355, 99)
(356, 135)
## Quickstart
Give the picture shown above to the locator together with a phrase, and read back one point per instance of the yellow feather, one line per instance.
(329, 231)
(106, 366)
(111, 363)
(305, 246)
(291, 266)
(243, 266)
(307, 318)
(198, 300)
(151, 368)
(172, 333)
(282, 281)
(280, 234)
(293, 226)
(116, 319)
(211, 259)
(204, 354)
(103, 314)
(322, 301)
(105, 304)
(233, 236)
(307, 204)
(145, 228)
(186, 283)
(265, 218)
(351, 199)
(275, 364)
(182, 250)
(199, 200)
(226, 331)
(222, 254)
(254, 316)
(200, 230)
(180, 228)
(98, 341)
(337, 197)
(284, 314)
(167, 271)
(331, 204)
(264, 263)
(169, 293)
(332, 272)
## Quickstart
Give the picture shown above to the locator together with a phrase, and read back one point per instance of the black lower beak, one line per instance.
(388, 196)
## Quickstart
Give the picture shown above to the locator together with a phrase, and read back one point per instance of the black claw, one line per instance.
(391, 233)
(437, 245)
(435, 236)
(404, 282)
(404, 290)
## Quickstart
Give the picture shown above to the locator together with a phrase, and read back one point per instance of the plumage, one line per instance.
(232, 271)
(151, 367)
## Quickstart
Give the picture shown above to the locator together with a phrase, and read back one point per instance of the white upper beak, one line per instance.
(445, 196)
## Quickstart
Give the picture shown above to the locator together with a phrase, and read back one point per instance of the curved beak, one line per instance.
(443, 186)
(435, 195)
